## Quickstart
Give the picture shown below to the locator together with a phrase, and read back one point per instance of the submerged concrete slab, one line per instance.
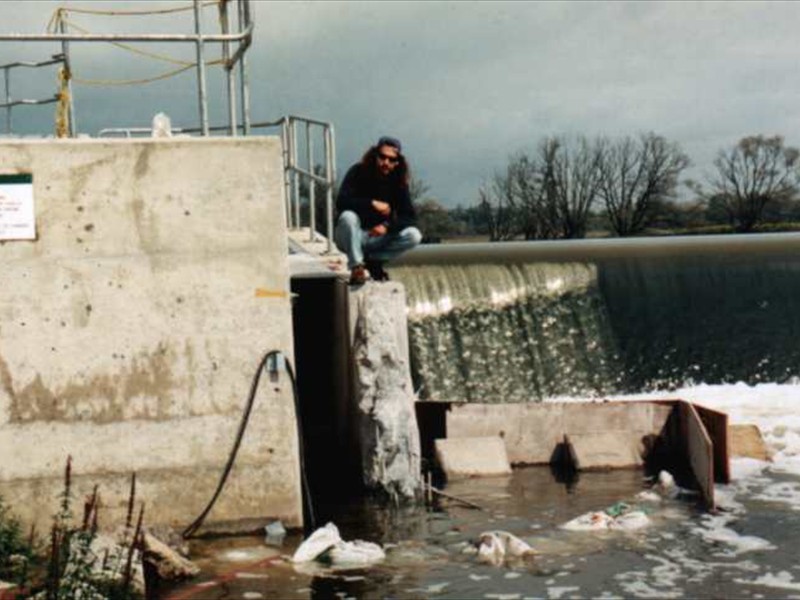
(470, 457)
(132, 326)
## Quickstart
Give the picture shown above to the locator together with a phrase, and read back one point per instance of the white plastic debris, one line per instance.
(495, 547)
(317, 544)
(357, 552)
(326, 543)
(620, 516)
(636, 519)
(161, 126)
(591, 521)
(648, 496)
(666, 483)
(275, 532)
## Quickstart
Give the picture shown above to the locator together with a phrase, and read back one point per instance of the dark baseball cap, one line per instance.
(387, 140)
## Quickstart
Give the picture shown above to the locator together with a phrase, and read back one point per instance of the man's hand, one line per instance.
(378, 230)
(382, 208)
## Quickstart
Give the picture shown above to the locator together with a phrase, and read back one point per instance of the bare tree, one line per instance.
(635, 175)
(571, 182)
(498, 208)
(756, 172)
(537, 215)
(417, 189)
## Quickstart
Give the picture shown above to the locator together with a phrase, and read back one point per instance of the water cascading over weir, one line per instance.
(523, 321)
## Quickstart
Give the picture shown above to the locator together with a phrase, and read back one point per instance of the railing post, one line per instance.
(72, 126)
(312, 185)
(8, 100)
(330, 176)
(244, 18)
(287, 163)
(201, 69)
(230, 75)
(295, 174)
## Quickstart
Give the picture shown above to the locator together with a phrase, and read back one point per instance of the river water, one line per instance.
(747, 550)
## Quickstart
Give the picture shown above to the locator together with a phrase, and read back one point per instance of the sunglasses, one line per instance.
(392, 160)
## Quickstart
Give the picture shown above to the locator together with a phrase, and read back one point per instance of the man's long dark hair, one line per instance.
(402, 172)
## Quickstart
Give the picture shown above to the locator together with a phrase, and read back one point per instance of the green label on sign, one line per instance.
(17, 178)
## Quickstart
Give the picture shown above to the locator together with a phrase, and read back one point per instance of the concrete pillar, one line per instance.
(384, 397)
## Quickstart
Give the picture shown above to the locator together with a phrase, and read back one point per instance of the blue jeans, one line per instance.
(358, 245)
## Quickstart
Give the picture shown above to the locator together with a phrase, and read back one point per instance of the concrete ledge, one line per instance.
(469, 457)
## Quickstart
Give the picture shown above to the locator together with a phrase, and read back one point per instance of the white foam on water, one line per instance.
(634, 585)
(554, 593)
(786, 492)
(783, 580)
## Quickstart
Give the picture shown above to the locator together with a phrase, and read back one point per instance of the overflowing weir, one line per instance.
(518, 322)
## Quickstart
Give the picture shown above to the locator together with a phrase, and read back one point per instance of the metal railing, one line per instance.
(298, 171)
(10, 103)
(230, 57)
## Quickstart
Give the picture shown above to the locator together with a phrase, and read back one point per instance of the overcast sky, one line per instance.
(463, 85)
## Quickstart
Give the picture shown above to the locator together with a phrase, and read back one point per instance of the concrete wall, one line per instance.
(533, 430)
(131, 329)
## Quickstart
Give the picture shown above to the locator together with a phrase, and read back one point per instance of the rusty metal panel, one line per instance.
(700, 450)
(716, 424)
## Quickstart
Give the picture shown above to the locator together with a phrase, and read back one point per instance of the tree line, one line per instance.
(569, 186)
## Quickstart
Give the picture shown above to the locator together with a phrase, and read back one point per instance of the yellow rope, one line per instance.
(132, 81)
(133, 49)
(128, 13)
(58, 18)
(62, 106)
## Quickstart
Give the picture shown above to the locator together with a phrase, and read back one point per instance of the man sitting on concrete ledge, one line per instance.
(376, 218)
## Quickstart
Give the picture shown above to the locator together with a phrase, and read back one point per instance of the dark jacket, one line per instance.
(361, 186)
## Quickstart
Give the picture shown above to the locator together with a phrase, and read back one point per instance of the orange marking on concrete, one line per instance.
(263, 293)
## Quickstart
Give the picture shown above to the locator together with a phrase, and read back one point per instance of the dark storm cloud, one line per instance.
(466, 84)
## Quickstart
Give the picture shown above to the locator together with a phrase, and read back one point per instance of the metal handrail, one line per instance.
(9, 103)
(294, 172)
(243, 37)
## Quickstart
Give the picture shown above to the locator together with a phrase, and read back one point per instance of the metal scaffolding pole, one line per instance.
(201, 68)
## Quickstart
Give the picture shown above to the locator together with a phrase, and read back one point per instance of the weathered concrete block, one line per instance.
(386, 420)
(469, 457)
(746, 441)
(131, 328)
(606, 450)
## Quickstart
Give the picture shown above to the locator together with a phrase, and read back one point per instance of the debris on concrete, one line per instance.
(473, 456)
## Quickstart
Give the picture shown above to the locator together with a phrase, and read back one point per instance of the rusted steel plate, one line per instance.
(716, 424)
(701, 451)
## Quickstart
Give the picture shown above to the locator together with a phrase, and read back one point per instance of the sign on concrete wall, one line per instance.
(17, 220)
